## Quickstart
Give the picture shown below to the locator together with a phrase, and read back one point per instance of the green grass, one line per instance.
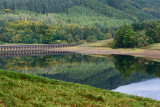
(102, 43)
(153, 46)
(108, 44)
(1, 43)
(28, 90)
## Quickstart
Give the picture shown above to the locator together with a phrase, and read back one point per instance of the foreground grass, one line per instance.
(27, 90)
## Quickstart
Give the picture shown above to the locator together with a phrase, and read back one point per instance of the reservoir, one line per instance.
(125, 74)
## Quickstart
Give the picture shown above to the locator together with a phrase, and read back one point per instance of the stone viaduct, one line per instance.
(33, 47)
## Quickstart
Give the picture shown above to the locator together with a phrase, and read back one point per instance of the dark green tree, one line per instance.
(152, 35)
(124, 37)
(158, 33)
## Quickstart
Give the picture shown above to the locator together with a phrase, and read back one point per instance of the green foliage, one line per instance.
(145, 33)
(76, 15)
(122, 9)
(150, 33)
(124, 37)
(105, 16)
(150, 6)
(130, 8)
(138, 26)
(91, 39)
(141, 39)
(128, 38)
(1, 42)
(158, 33)
(34, 32)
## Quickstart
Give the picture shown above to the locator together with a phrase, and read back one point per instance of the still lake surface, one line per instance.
(125, 74)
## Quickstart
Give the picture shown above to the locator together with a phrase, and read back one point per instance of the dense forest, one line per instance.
(54, 21)
(137, 35)
(122, 9)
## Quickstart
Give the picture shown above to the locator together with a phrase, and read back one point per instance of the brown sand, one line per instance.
(98, 50)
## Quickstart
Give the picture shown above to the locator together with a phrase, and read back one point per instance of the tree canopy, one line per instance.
(124, 37)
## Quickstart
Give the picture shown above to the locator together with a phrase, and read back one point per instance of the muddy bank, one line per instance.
(92, 50)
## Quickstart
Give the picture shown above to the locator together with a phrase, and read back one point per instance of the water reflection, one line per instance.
(128, 65)
(108, 73)
(149, 88)
(22, 53)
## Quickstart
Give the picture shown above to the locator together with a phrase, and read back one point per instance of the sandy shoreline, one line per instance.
(98, 50)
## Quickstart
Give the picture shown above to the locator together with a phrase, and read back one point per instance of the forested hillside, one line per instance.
(104, 15)
(137, 35)
(121, 9)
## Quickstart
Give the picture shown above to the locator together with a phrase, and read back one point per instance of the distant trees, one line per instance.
(129, 65)
(139, 35)
(76, 16)
(121, 9)
(150, 33)
(35, 32)
(157, 30)
(124, 37)
(138, 26)
(70, 21)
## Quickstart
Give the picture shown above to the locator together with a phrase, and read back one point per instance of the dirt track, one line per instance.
(92, 50)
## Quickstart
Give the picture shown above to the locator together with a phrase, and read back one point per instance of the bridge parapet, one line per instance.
(34, 47)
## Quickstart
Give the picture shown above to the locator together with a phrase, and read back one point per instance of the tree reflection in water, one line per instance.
(107, 72)
(128, 65)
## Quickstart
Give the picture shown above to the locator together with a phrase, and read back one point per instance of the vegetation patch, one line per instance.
(154, 46)
(1, 43)
(104, 43)
(28, 90)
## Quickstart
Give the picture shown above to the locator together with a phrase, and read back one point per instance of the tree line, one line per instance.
(137, 35)
(129, 65)
(35, 32)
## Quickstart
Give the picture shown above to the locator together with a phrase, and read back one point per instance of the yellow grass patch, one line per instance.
(103, 43)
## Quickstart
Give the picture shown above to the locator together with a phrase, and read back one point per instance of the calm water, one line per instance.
(126, 74)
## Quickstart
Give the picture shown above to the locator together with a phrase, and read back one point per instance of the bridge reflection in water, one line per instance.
(21, 53)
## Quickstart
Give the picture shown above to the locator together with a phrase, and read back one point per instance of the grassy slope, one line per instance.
(103, 43)
(155, 46)
(28, 90)
(108, 44)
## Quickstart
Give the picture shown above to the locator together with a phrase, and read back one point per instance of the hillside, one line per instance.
(76, 15)
(121, 9)
(70, 21)
(19, 89)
